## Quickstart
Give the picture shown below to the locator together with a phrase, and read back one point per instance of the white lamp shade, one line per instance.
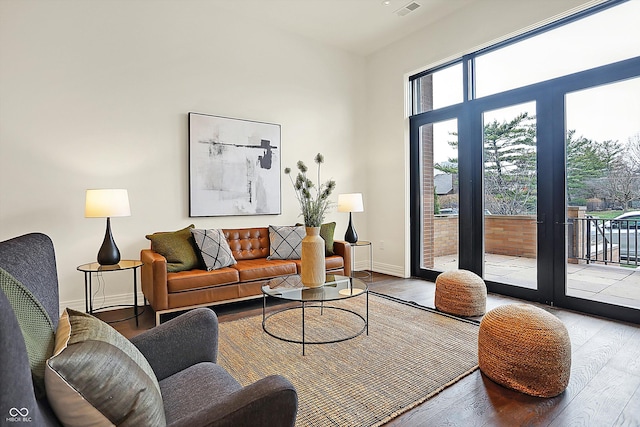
(350, 202)
(106, 203)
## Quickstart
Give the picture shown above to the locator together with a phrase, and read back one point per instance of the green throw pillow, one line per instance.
(35, 324)
(98, 377)
(178, 247)
(326, 232)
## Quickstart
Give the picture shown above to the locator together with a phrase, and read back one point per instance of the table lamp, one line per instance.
(350, 203)
(107, 203)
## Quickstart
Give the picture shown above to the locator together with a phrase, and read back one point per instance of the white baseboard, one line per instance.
(99, 301)
(391, 270)
(361, 265)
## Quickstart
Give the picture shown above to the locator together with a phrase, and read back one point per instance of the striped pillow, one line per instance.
(98, 377)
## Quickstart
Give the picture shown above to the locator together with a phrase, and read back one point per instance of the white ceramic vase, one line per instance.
(313, 264)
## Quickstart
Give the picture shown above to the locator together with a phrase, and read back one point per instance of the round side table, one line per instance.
(362, 274)
(94, 267)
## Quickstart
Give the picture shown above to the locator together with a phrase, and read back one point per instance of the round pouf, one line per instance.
(524, 348)
(461, 292)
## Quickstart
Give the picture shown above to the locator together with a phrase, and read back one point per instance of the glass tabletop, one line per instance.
(335, 288)
(94, 267)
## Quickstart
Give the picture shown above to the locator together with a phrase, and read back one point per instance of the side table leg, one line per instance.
(303, 328)
(87, 293)
(90, 294)
(371, 263)
(367, 312)
(135, 295)
(353, 261)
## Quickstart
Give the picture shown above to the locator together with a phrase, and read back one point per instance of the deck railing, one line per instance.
(604, 241)
(591, 240)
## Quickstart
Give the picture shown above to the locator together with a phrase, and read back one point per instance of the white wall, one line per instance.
(387, 70)
(96, 95)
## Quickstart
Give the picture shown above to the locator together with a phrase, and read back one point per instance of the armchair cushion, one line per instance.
(35, 324)
(97, 377)
(175, 345)
(177, 247)
(285, 241)
(270, 401)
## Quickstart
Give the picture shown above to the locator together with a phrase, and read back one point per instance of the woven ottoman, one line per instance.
(524, 348)
(461, 292)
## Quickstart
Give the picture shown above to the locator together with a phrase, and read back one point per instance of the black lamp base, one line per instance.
(351, 236)
(108, 253)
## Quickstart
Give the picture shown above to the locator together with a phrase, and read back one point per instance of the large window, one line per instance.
(585, 42)
(599, 39)
(439, 88)
(522, 156)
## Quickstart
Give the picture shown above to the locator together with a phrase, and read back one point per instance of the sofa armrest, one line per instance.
(269, 402)
(343, 249)
(182, 342)
(153, 275)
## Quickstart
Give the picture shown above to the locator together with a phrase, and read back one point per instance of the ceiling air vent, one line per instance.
(408, 9)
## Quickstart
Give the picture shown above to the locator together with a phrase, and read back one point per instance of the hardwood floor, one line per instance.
(604, 389)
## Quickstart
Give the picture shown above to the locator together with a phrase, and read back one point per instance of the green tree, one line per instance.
(607, 170)
(510, 166)
(621, 182)
(586, 162)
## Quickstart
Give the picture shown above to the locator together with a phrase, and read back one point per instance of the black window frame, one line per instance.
(549, 96)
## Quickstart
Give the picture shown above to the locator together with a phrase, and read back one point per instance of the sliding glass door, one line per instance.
(510, 195)
(603, 193)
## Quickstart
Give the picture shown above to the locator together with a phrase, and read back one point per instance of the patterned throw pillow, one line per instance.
(214, 248)
(98, 377)
(285, 241)
(35, 324)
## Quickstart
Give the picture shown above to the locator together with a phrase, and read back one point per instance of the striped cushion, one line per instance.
(97, 377)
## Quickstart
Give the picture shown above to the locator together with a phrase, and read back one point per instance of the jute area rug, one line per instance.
(410, 355)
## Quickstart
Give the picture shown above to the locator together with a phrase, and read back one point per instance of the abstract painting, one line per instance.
(234, 166)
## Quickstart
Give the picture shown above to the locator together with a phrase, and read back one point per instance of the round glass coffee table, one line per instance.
(335, 288)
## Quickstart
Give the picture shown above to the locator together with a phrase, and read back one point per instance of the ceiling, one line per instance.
(358, 26)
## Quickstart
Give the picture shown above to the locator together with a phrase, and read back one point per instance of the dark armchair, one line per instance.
(182, 352)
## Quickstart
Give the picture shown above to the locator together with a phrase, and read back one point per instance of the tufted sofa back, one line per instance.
(248, 243)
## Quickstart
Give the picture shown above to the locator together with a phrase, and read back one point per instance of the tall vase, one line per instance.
(313, 266)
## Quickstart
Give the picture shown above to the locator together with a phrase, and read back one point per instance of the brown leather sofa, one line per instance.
(170, 292)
